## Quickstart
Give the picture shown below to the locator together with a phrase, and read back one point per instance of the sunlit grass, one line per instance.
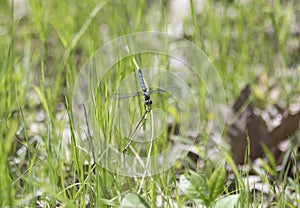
(42, 52)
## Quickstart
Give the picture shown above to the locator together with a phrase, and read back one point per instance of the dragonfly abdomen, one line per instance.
(142, 80)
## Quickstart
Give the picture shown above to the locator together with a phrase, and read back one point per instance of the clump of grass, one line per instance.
(41, 54)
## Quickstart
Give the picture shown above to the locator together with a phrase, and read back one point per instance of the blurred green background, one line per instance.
(44, 44)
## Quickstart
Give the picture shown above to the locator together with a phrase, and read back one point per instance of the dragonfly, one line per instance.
(146, 92)
(147, 106)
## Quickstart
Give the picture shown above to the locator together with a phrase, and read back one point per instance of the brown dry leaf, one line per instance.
(244, 122)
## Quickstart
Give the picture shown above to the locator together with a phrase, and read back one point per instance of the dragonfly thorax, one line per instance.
(148, 102)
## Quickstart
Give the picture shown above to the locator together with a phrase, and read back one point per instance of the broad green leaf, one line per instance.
(135, 201)
(193, 186)
(216, 183)
(228, 201)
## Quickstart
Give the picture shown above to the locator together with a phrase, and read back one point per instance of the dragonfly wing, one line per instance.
(162, 90)
(124, 96)
(151, 90)
(157, 90)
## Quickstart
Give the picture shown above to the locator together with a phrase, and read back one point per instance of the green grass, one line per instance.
(41, 54)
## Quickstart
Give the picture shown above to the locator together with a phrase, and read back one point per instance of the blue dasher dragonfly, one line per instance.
(146, 92)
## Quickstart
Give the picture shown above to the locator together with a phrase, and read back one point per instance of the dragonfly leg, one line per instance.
(139, 125)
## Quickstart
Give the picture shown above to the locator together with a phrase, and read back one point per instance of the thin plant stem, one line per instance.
(149, 153)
